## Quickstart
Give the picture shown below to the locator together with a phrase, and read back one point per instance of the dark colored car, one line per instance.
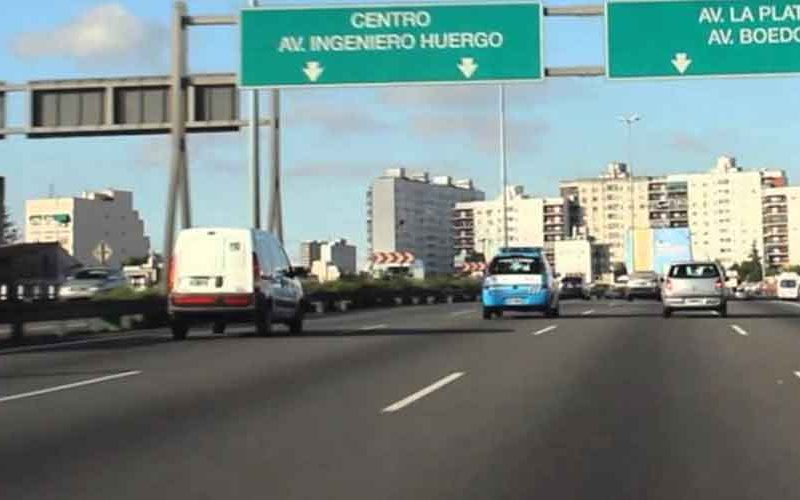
(574, 287)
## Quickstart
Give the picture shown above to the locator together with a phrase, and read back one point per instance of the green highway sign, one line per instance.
(702, 38)
(391, 44)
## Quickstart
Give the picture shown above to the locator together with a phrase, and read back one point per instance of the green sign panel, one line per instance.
(390, 44)
(702, 38)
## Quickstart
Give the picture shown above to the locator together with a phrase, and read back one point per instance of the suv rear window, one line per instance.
(516, 265)
(788, 284)
(694, 271)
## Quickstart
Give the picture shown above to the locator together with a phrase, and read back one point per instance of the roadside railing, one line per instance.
(151, 312)
(29, 291)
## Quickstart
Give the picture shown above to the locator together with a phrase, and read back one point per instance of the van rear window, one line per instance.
(516, 265)
(694, 271)
(788, 284)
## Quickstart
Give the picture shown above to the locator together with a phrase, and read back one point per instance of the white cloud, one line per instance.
(108, 33)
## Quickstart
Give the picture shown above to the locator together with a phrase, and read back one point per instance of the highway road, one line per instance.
(610, 401)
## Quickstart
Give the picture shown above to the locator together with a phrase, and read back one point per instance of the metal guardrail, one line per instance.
(153, 310)
(29, 291)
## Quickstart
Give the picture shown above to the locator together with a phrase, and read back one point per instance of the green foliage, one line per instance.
(365, 284)
(128, 293)
(750, 270)
(792, 269)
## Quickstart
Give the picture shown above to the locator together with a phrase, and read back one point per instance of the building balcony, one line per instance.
(678, 187)
(656, 186)
(779, 230)
(778, 259)
(775, 210)
(775, 200)
(776, 240)
(773, 220)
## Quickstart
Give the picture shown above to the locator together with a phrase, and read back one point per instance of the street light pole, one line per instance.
(503, 163)
(629, 121)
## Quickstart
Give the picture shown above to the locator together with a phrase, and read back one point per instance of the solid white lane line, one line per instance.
(422, 393)
(461, 313)
(586, 313)
(738, 329)
(68, 386)
(545, 330)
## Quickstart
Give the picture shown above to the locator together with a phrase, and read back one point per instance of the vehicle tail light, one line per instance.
(256, 270)
(719, 284)
(668, 285)
(237, 300)
(171, 274)
(194, 300)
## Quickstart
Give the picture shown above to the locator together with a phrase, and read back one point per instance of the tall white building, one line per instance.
(610, 205)
(726, 210)
(339, 253)
(97, 228)
(781, 209)
(412, 212)
(722, 207)
(478, 225)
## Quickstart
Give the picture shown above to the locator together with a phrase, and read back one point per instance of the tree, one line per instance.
(750, 270)
(8, 231)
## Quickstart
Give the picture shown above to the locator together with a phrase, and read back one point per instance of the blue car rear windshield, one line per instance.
(516, 264)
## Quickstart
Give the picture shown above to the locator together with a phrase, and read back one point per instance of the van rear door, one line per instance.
(213, 261)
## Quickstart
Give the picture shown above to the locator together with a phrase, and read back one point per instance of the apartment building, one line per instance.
(726, 210)
(610, 205)
(781, 212)
(97, 227)
(478, 226)
(722, 207)
(413, 212)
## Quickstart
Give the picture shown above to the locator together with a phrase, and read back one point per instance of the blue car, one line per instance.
(520, 280)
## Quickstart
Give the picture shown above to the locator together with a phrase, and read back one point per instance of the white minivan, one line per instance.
(229, 275)
(789, 286)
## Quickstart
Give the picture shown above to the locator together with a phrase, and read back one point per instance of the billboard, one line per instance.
(656, 249)
(671, 245)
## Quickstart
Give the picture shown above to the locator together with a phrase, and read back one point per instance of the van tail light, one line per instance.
(256, 270)
(719, 284)
(171, 274)
(668, 285)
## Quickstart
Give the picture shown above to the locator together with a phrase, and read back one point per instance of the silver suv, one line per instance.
(695, 286)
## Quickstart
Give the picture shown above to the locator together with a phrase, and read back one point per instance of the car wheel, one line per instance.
(667, 312)
(629, 298)
(179, 330)
(723, 310)
(218, 327)
(296, 323)
(487, 314)
(263, 320)
(553, 312)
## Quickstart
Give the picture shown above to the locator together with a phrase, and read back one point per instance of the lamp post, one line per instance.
(629, 120)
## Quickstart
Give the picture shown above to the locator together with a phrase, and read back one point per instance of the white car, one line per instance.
(91, 281)
(225, 275)
(789, 286)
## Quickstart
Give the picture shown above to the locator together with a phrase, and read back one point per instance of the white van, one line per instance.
(227, 275)
(789, 286)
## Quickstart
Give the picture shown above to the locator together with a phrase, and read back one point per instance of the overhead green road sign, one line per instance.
(391, 44)
(702, 38)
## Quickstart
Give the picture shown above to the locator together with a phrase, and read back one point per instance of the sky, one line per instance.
(334, 141)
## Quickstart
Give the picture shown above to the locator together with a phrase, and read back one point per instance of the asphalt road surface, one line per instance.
(610, 401)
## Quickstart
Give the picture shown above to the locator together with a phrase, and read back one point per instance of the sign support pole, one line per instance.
(275, 210)
(179, 180)
(255, 159)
